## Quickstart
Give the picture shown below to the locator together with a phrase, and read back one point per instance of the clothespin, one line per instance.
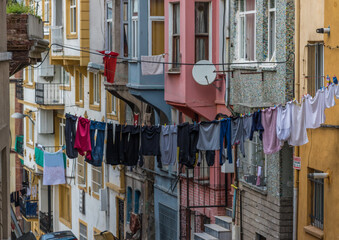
(103, 119)
(125, 124)
(165, 124)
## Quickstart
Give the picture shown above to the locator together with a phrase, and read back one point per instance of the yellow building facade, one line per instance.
(317, 211)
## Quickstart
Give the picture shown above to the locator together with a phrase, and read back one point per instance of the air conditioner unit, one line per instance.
(82, 198)
(45, 121)
(104, 199)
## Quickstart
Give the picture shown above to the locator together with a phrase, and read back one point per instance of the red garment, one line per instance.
(110, 61)
(82, 137)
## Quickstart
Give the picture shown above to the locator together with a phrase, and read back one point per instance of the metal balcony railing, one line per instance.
(46, 222)
(19, 91)
(49, 94)
(57, 38)
(19, 145)
(29, 208)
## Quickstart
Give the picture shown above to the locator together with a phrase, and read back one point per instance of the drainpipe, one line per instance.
(227, 95)
(297, 149)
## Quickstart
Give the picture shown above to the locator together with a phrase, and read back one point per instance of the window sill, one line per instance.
(84, 188)
(314, 231)
(65, 222)
(133, 60)
(30, 145)
(112, 117)
(72, 36)
(95, 107)
(261, 190)
(96, 196)
(173, 71)
(27, 85)
(65, 88)
(79, 104)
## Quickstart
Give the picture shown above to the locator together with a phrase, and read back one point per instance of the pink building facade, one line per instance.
(193, 32)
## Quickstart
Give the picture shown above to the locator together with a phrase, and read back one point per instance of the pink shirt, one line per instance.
(270, 141)
(82, 137)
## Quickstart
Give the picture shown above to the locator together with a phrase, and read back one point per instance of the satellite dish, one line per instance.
(204, 74)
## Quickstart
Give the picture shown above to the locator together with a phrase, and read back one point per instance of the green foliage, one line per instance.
(16, 7)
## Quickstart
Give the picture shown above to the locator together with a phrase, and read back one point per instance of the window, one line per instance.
(129, 203)
(247, 44)
(30, 129)
(65, 201)
(79, 89)
(96, 180)
(64, 77)
(124, 31)
(157, 30)
(109, 27)
(82, 230)
(111, 107)
(46, 12)
(259, 237)
(168, 223)
(317, 199)
(82, 172)
(253, 166)
(30, 75)
(95, 91)
(71, 18)
(176, 36)
(271, 30)
(203, 171)
(201, 31)
(137, 194)
(62, 125)
(315, 78)
(135, 35)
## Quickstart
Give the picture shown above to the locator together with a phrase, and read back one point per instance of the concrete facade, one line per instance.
(265, 210)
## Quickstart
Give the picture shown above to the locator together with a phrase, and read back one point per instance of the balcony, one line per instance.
(46, 222)
(49, 94)
(57, 38)
(25, 39)
(19, 145)
(29, 209)
(19, 91)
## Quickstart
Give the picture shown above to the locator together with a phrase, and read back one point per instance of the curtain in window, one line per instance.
(201, 30)
(157, 8)
(250, 36)
(158, 37)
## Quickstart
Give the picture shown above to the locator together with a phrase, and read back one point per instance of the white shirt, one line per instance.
(284, 122)
(298, 135)
(329, 96)
(315, 109)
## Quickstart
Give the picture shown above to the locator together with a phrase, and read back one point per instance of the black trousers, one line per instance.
(70, 131)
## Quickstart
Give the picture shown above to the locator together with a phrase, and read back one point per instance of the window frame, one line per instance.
(30, 129)
(316, 185)
(62, 125)
(315, 74)
(171, 41)
(69, 20)
(62, 219)
(109, 105)
(29, 77)
(99, 170)
(95, 91)
(272, 56)
(152, 19)
(109, 26)
(124, 22)
(79, 89)
(204, 35)
(129, 205)
(137, 196)
(242, 14)
(84, 166)
(81, 222)
(134, 31)
(48, 15)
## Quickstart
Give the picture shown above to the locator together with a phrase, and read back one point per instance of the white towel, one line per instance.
(154, 66)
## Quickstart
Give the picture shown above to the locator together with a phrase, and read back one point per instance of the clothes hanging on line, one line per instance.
(238, 133)
(329, 96)
(97, 136)
(154, 66)
(209, 133)
(70, 133)
(82, 137)
(54, 168)
(271, 143)
(110, 62)
(168, 144)
(130, 150)
(188, 135)
(206, 156)
(113, 144)
(284, 122)
(298, 135)
(314, 109)
(256, 125)
(150, 142)
(225, 135)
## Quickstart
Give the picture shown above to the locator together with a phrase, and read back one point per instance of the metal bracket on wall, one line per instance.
(223, 72)
(247, 73)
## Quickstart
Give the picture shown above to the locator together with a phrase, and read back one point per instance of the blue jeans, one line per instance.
(98, 143)
(226, 132)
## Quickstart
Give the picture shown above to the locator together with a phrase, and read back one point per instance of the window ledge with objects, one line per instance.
(264, 67)
(314, 231)
(260, 189)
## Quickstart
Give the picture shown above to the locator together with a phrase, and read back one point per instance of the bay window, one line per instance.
(157, 30)
(109, 27)
(271, 29)
(201, 31)
(247, 14)
(176, 36)
(135, 27)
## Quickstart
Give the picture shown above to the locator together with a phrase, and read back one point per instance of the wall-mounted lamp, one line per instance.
(22, 116)
(318, 175)
(323, 30)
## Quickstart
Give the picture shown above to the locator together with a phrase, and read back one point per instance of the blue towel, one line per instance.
(54, 170)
